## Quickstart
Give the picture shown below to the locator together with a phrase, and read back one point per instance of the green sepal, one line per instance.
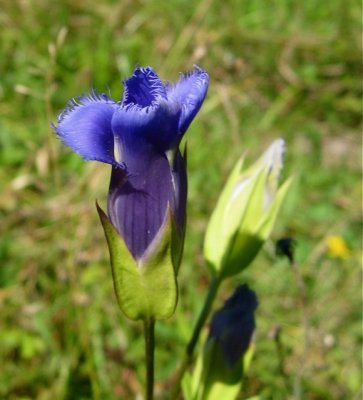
(246, 248)
(268, 221)
(247, 241)
(145, 288)
(250, 237)
(214, 379)
(214, 249)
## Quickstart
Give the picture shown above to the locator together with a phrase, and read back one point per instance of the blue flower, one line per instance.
(233, 325)
(140, 138)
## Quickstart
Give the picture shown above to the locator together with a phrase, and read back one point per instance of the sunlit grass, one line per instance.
(278, 69)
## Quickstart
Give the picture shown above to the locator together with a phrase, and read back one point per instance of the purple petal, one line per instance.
(157, 125)
(178, 205)
(180, 184)
(85, 126)
(189, 92)
(143, 88)
(138, 201)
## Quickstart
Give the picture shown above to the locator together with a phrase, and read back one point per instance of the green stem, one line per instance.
(213, 289)
(149, 325)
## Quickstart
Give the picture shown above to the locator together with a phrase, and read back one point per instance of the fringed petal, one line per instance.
(143, 88)
(189, 92)
(135, 136)
(157, 125)
(85, 127)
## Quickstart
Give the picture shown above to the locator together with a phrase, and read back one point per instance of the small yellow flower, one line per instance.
(337, 247)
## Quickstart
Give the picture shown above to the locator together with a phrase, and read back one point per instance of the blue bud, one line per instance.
(227, 351)
(233, 325)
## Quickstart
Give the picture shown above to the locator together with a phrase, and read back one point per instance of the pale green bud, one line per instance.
(246, 212)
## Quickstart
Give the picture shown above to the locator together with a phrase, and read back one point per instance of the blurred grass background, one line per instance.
(278, 68)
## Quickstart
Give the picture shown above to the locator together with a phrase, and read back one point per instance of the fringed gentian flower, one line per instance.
(140, 138)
